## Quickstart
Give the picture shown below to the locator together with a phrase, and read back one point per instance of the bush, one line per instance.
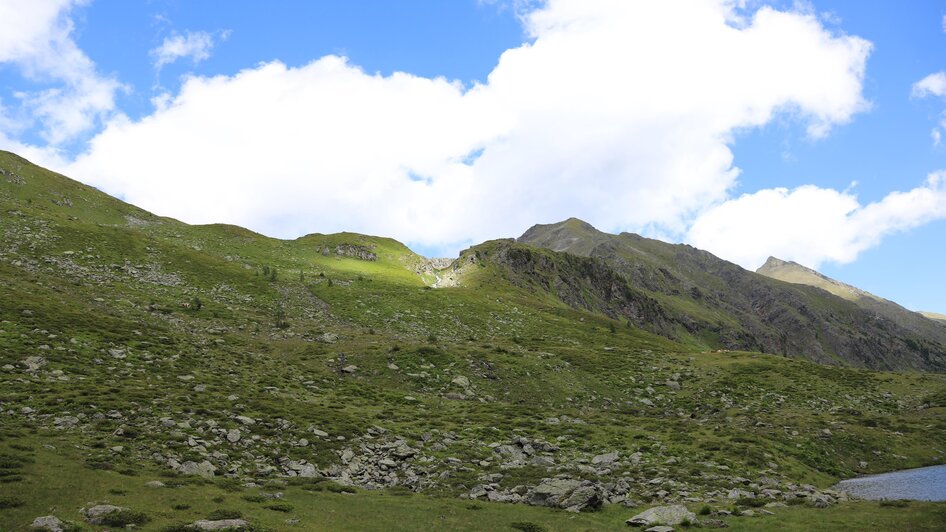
(254, 498)
(527, 526)
(217, 515)
(339, 488)
(279, 507)
(11, 502)
(124, 518)
(705, 510)
(897, 503)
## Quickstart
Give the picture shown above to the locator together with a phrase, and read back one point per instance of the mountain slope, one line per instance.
(914, 322)
(722, 305)
(194, 372)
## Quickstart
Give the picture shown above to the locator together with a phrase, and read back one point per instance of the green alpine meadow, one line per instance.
(163, 376)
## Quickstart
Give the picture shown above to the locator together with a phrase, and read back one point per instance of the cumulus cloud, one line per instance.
(618, 112)
(36, 38)
(812, 225)
(933, 85)
(196, 45)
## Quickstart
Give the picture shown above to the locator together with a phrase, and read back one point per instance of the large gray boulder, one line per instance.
(220, 524)
(203, 469)
(672, 515)
(49, 523)
(97, 514)
(572, 495)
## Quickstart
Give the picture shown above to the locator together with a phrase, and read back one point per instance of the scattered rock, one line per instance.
(672, 515)
(97, 514)
(220, 524)
(605, 458)
(204, 469)
(50, 523)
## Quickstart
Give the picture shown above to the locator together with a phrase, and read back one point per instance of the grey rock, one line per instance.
(96, 514)
(605, 458)
(233, 435)
(154, 484)
(245, 420)
(672, 515)
(203, 469)
(461, 381)
(660, 528)
(50, 523)
(220, 524)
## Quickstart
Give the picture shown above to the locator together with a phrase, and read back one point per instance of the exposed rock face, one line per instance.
(672, 515)
(355, 251)
(767, 315)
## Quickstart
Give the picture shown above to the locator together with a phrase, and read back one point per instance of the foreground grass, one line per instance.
(57, 483)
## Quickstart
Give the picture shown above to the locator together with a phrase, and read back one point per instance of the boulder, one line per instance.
(204, 469)
(572, 495)
(233, 435)
(461, 381)
(220, 524)
(605, 458)
(96, 514)
(50, 523)
(660, 528)
(672, 515)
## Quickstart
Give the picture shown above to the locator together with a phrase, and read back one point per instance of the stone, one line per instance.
(50, 523)
(96, 514)
(350, 369)
(233, 435)
(33, 363)
(204, 469)
(65, 422)
(552, 491)
(605, 458)
(461, 381)
(245, 420)
(327, 338)
(319, 433)
(154, 484)
(584, 497)
(659, 528)
(220, 524)
(308, 471)
(672, 515)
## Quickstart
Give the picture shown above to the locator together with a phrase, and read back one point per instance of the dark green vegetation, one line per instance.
(232, 367)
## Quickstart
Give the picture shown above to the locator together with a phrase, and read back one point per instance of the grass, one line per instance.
(98, 290)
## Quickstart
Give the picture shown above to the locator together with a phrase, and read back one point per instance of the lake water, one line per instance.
(922, 484)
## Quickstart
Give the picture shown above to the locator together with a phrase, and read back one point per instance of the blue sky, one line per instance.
(301, 123)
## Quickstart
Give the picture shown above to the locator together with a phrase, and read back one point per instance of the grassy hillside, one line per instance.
(231, 367)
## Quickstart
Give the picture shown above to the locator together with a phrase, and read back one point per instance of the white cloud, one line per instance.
(196, 45)
(36, 37)
(932, 85)
(812, 225)
(618, 112)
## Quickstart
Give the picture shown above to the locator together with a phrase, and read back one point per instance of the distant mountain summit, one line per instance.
(792, 272)
(785, 308)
